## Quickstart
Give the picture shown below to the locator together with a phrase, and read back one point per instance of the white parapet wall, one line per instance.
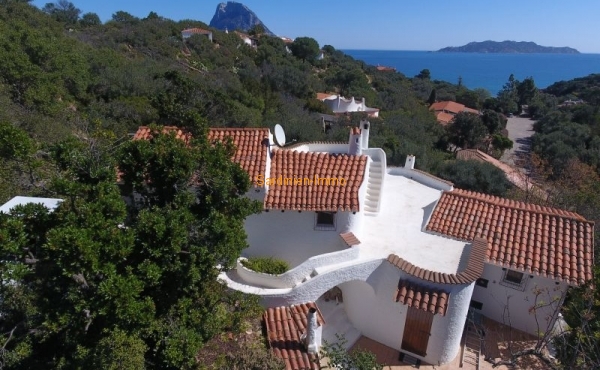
(293, 277)
(421, 177)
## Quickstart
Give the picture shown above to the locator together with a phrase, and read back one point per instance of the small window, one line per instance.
(476, 305)
(325, 221)
(482, 282)
(514, 277)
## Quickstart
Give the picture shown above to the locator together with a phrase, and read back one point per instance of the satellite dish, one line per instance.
(279, 135)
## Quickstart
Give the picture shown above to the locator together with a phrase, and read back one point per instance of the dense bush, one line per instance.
(267, 265)
(475, 176)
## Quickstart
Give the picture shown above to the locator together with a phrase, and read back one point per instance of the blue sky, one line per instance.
(396, 24)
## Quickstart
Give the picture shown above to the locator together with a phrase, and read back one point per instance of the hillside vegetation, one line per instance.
(101, 283)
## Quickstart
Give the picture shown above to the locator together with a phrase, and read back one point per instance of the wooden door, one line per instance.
(417, 330)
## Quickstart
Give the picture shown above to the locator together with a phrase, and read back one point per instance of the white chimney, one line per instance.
(365, 125)
(410, 162)
(313, 332)
(355, 142)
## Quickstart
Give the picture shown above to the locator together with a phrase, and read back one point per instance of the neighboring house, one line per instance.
(340, 105)
(247, 39)
(385, 69)
(187, 33)
(321, 55)
(50, 203)
(446, 110)
(401, 256)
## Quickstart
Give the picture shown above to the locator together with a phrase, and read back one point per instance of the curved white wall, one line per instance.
(372, 310)
(294, 276)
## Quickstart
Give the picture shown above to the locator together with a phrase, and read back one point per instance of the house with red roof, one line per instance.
(340, 105)
(393, 253)
(446, 110)
(189, 32)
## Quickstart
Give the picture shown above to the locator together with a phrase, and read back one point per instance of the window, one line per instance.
(476, 305)
(325, 221)
(514, 279)
(482, 282)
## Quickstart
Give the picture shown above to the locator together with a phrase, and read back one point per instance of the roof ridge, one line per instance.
(293, 146)
(433, 176)
(517, 204)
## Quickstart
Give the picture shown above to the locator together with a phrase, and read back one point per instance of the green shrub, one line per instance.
(267, 265)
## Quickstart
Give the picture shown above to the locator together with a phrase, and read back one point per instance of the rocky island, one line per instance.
(507, 47)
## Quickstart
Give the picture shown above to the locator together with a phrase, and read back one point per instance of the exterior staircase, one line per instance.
(374, 187)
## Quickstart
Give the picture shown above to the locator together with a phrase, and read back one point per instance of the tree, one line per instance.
(124, 17)
(256, 30)
(508, 96)
(63, 11)
(100, 283)
(432, 97)
(90, 20)
(424, 74)
(466, 130)
(305, 48)
(526, 91)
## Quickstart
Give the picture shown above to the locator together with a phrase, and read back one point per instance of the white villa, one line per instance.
(338, 104)
(392, 253)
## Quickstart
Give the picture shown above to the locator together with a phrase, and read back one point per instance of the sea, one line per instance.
(484, 70)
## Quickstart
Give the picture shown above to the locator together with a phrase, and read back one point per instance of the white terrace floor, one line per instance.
(398, 228)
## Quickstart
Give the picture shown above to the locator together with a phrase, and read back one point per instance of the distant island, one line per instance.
(507, 47)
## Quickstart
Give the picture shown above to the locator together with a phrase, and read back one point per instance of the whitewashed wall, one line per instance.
(373, 311)
(291, 235)
(507, 305)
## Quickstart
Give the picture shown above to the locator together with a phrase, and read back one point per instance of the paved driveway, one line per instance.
(520, 131)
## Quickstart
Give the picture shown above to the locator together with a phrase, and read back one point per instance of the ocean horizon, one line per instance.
(489, 71)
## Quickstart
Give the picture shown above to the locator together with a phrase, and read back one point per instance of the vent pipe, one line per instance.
(313, 335)
(410, 162)
(355, 142)
(365, 126)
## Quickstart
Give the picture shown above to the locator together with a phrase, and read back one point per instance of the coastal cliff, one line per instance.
(507, 47)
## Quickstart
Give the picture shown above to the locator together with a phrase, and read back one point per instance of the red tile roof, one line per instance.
(471, 273)
(421, 297)
(448, 106)
(251, 144)
(546, 241)
(386, 69)
(284, 327)
(310, 195)
(350, 239)
(444, 118)
(251, 147)
(201, 31)
(323, 96)
(145, 133)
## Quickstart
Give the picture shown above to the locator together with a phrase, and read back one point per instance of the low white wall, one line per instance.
(420, 177)
(322, 147)
(294, 276)
(291, 235)
(511, 306)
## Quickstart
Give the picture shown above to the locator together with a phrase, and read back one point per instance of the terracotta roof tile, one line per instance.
(251, 147)
(543, 240)
(448, 106)
(472, 271)
(251, 144)
(284, 326)
(201, 31)
(309, 193)
(422, 297)
(350, 239)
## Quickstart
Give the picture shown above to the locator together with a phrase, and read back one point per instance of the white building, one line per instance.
(189, 32)
(338, 104)
(404, 254)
